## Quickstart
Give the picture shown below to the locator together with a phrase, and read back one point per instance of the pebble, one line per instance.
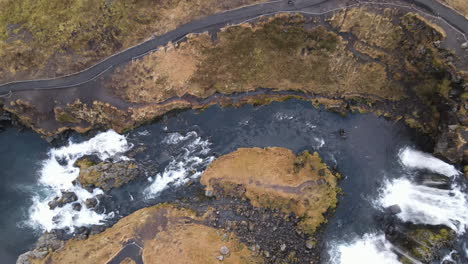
(224, 250)
(220, 258)
(209, 193)
(283, 247)
(309, 244)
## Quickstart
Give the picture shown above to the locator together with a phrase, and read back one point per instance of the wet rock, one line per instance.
(342, 133)
(91, 203)
(393, 210)
(434, 180)
(76, 206)
(422, 243)
(106, 175)
(65, 198)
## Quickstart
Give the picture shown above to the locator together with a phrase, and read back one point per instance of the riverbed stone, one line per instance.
(278, 179)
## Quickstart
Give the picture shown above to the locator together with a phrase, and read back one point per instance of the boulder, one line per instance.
(65, 198)
(393, 210)
(434, 180)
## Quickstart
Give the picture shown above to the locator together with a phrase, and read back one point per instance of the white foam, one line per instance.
(183, 167)
(283, 116)
(143, 133)
(320, 142)
(310, 125)
(175, 138)
(370, 249)
(55, 177)
(415, 159)
(425, 205)
(449, 257)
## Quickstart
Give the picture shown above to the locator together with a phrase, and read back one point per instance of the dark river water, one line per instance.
(180, 145)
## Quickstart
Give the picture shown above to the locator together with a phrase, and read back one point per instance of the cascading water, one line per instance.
(183, 167)
(370, 249)
(57, 175)
(419, 204)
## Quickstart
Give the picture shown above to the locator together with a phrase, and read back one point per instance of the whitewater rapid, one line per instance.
(185, 166)
(419, 205)
(58, 174)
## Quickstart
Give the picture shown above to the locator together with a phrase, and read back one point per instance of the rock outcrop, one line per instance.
(276, 178)
(106, 174)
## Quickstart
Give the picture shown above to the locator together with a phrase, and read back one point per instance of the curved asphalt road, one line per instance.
(198, 26)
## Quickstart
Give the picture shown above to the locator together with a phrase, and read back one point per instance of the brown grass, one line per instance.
(277, 53)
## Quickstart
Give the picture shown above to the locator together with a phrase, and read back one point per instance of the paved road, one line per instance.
(198, 26)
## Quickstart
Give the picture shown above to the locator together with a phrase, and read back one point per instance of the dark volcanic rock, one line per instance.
(434, 180)
(105, 175)
(65, 198)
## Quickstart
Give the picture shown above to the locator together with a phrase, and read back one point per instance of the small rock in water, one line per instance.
(393, 209)
(342, 133)
(91, 202)
(224, 250)
(76, 206)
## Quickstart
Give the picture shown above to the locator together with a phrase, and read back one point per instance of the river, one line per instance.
(378, 159)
